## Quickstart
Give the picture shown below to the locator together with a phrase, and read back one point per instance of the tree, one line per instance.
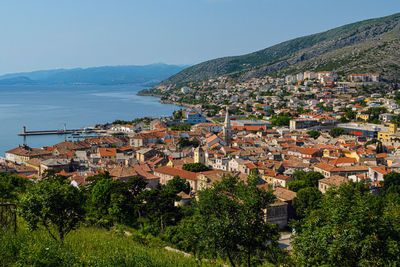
(391, 183)
(336, 132)
(302, 179)
(307, 199)
(232, 219)
(159, 207)
(185, 142)
(312, 178)
(280, 120)
(351, 228)
(186, 235)
(297, 185)
(11, 186)
(195, 167)
(181, 127)
(116, 201)
(178, 185)
(314, 134)
(55, 205)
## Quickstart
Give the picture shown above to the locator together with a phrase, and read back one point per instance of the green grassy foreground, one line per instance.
(87, 247)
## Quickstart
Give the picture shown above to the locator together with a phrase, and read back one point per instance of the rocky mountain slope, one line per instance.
(371, 45)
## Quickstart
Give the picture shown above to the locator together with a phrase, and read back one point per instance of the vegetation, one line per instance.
(195, 167)
(113, 223)
(181, 127)
(314, 134)
(133, 122)
(302, 179)
(280, 120)
(336, 132)
(89, 246)
(314, 52)
(350, 227)
(186, 142)
(53, 204)
(11, 186)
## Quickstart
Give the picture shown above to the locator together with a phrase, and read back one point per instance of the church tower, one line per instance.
(199, 155)
(227, 127)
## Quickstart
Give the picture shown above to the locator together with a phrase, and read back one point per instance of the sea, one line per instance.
(51, 107)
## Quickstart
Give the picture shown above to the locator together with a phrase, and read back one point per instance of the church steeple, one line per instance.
(227, 127)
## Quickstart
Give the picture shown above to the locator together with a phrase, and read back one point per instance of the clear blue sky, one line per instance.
(46, 34)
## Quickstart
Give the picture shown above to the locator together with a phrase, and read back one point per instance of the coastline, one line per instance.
(166, 101)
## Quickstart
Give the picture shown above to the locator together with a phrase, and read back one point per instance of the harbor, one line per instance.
(88, 130)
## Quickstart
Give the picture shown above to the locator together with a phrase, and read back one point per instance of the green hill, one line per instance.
(87, 247)
(349, 48)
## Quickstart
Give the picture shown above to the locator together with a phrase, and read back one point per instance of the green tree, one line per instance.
(312, 178)
(297, 185)
(391, 183)
(177, 185)
(302, 179)
(336, 132)
(116, 201)
(307, 199)
(55, 205)
(280, 120)
(11, 187)
(351, 228)
(185, 142)
(186, 235)
(232, 219)
(159, 208)
(195, 167)
(314, 134)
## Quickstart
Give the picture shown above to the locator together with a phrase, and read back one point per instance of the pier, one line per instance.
(62, 131)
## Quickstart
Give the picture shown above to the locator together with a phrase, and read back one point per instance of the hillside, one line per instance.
(87, 247)
(346, 48)
(107, 75)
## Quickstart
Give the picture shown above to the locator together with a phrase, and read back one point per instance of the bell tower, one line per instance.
(199, 155)
(227, 128)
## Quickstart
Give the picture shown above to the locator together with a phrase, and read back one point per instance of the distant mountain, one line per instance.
(367, 46)
(147, 75)
(16, 80)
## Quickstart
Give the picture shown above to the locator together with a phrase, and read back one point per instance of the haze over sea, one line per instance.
(48, 107)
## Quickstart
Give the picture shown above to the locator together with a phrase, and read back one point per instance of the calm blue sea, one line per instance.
(49, 107)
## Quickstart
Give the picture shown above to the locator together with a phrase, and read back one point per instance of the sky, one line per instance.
(48, 34)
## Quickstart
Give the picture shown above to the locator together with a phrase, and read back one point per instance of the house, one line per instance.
(281, 180)
(22, 154)
(377, 173)
(327, 182)
(184, 199)
(328, 170)
(297, 124)
(123, 173)
(214, 139)
(386, 117)
(194, 117)
(144, 154)
(107, 153)
(166, 174)
(143, 139)
(58, 165)
(366, 77)
(277, 213)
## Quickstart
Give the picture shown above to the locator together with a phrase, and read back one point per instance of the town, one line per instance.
(339, 127)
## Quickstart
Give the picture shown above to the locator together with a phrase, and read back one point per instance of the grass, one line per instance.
(87, 246)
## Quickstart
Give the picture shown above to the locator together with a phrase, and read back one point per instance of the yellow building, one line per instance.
(387, 134)
(362, 116)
